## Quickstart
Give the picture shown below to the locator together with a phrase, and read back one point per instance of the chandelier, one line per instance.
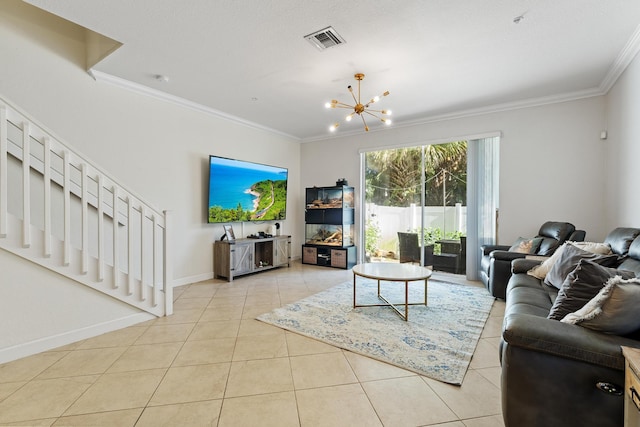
(359, 108)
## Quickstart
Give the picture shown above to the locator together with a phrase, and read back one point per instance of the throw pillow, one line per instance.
(594, 247)
(614, 310)
(581, 285)
(541, 271)
(569, 259)
(525, 245)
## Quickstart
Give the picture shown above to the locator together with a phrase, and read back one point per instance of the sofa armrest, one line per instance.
(500, 271)
(523, 265)
(487, 249)
(506, 255)
(564, 340)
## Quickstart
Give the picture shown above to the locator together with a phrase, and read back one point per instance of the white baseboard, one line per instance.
(207, 276)
(192, 279)
(49, 343)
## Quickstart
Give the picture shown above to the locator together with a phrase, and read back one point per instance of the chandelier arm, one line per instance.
(366, 128)
(372, 114)
(359, 108)
(353, 96)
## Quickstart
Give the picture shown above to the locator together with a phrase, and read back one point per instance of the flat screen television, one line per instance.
(245, 191)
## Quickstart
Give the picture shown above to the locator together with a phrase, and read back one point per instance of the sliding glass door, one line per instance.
(416, 206)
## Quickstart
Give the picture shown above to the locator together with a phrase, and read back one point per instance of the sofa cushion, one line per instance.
(569, 259)
(621, 238)
(554, 233)
(613, 310)
(632, 261)
(526, 245)
(594, 247)
(581, 285)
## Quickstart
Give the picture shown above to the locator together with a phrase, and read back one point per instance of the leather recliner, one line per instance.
(495, 265)
(559, 374)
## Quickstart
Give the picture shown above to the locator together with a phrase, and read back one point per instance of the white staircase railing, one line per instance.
(62, 212)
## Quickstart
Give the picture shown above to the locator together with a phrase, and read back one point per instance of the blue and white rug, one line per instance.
(438, 341)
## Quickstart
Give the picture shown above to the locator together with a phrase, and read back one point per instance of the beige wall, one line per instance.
(620, 170)
(546, 155)
(156, 149)
(552, 166)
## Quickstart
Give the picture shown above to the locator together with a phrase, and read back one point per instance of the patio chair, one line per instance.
(409, 247)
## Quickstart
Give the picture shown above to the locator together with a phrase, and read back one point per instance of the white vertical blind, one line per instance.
(482, 199)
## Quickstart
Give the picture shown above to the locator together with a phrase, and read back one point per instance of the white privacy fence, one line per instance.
(391, 219)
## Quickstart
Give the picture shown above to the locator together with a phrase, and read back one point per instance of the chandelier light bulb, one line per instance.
(358, 107)
(327, 105)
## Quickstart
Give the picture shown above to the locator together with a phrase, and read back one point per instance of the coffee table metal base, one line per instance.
(391, 272)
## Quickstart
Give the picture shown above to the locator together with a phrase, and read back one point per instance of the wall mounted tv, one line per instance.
(245, 191)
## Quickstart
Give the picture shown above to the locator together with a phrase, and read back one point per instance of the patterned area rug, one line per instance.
(438, 341)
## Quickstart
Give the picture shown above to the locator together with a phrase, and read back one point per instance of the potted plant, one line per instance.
(371, 239)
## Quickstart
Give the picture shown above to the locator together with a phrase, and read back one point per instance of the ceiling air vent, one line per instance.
(325, 38)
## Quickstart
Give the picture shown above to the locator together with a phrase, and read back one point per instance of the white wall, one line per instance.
(40, 310)
(156, 149)
(548, 155)
(623, 149)
(553, 166)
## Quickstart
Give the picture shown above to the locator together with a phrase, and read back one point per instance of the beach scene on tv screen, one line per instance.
(245, 191)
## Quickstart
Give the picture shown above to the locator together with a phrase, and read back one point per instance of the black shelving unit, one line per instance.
(329, 218)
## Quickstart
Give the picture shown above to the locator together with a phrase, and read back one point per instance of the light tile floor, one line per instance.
(213, 364)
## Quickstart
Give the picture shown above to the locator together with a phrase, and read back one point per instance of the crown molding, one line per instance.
(621, 63)
(489, 109)
(182, 102)
(623, 60)
(507, 106)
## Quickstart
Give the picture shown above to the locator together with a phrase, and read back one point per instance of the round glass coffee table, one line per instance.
(392, 272)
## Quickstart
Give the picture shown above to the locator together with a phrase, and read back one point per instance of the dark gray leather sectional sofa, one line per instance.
(559, 374)
(495, 264)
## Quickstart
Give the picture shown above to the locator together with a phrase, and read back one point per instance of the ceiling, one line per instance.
(438, 58)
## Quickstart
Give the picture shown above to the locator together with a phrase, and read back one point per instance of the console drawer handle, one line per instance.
(635, 397)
